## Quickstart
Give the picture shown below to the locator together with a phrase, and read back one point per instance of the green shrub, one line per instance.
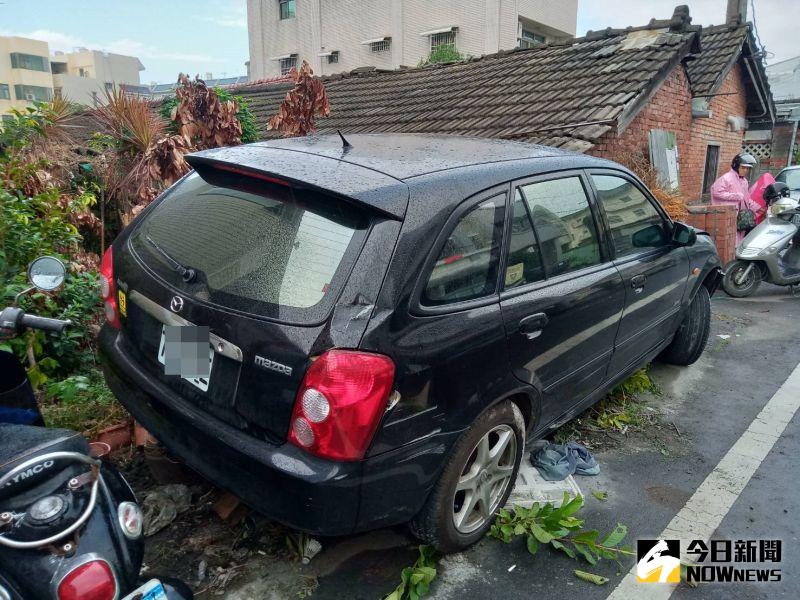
(443, 54)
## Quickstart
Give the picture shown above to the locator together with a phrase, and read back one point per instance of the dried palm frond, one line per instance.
(672, 200)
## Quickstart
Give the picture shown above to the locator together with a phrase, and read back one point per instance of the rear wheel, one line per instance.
(692, 335)
(741, 278)
(476, 481)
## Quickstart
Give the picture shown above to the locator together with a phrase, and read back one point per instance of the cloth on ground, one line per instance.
(558, 461)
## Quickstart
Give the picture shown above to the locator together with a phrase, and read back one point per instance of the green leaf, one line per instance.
(565, 549)
(572, 506)
(602, 496)
(586, 553)
(590, 535)
(541, 534)
(591, 577)
(616, 536)
(532, 543)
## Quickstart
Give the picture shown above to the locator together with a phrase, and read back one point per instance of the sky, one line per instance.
(210, 36)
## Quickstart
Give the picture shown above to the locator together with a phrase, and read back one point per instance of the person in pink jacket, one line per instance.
(734, 188)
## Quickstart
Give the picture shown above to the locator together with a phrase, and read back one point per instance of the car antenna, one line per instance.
(345, 143)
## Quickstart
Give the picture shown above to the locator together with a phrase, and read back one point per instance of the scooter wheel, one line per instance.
(747, 286)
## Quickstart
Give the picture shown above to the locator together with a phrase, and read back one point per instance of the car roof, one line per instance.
(403, 156)
(374, 169)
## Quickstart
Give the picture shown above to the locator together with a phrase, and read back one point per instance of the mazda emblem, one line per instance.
(176, 304)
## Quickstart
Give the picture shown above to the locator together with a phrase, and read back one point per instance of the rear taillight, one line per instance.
(340, 403)
(107, 289)
(93, 580)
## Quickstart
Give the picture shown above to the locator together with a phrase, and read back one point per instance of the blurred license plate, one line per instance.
(152, 590)
(199, 381)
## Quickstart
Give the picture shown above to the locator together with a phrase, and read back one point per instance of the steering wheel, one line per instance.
(6, 517)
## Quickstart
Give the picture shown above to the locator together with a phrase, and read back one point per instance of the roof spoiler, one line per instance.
(358, 185)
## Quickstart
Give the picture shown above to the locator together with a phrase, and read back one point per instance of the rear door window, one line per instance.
(634, 223)
(564, 224)
(524, 258)
(467, 265)
(278, 253)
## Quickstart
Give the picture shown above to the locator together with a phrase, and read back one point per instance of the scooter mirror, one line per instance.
(47, 273)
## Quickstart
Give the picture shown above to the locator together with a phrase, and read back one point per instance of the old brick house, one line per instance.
(602, 94)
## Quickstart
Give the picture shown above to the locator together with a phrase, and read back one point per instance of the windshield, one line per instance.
(791, 177)
(279, 253)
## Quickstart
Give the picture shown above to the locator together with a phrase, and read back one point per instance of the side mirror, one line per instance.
(651, 236)
(47, 273)
(683, 235)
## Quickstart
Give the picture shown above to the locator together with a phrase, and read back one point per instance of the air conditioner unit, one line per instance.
(30, 96)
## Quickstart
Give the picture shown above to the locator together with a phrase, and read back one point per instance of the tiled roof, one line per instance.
(721, 45)
(565, 94)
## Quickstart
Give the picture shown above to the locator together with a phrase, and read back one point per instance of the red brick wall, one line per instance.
(729, 101)
(671, 109)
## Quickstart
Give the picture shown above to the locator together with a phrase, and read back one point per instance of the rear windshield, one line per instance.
(280, 253)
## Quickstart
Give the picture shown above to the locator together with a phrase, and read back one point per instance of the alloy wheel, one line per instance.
(484, 479)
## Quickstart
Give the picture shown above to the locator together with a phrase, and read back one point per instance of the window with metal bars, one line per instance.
(711, 167)
(444, 38)
(287, 64)
(381, 46)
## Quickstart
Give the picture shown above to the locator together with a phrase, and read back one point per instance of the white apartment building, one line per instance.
(341, 35)
(84, 75)
(29, 73)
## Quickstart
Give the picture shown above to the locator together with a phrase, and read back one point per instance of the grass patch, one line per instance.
(617, 412)
(82, 403)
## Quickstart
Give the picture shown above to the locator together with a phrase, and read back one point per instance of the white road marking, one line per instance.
(705, 510)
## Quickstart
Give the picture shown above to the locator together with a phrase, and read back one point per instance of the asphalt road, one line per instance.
(752, 351)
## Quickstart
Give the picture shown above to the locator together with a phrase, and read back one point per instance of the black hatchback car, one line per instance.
(390, 319)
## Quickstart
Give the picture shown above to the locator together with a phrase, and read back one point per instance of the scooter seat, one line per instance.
(19, 443)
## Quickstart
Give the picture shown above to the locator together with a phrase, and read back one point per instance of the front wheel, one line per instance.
(741, 279)
(475, 482)
(692, 335)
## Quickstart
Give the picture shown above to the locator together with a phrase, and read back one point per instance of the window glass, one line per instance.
(467, 265)
(634, 223)
(524, 259)
(564, 224)
(280, 248)
(31, 62)
(5, 93)
(287, 9)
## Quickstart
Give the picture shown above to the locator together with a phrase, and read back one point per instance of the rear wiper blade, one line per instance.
(188, 274)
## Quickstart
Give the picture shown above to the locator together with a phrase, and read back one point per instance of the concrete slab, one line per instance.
(530, 487)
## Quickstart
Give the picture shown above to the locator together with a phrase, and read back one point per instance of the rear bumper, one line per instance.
(282, 482)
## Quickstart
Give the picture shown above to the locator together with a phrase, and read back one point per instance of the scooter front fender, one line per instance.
(772, 232)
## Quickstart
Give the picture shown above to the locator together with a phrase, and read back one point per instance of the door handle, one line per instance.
(637, 283)
(532, 325)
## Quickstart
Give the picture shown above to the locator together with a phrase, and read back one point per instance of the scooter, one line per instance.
(771, 251)
(70, 528)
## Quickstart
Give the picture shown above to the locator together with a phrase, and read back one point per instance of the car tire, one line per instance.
(747, 287)
(480, 480)
(692, 335)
